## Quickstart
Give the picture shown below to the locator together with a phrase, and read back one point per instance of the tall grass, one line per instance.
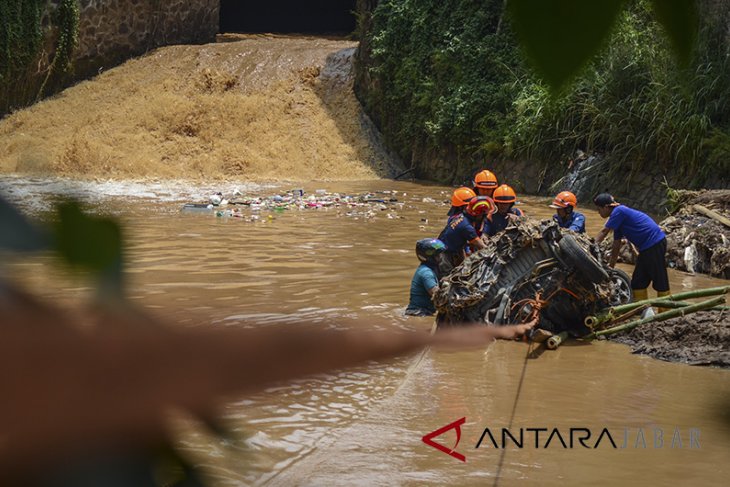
(447, 74)
(634, 105)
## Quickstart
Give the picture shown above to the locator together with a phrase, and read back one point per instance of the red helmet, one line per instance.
(504, 194)
(462, 196)
(481, 205)
(564, 199)
(485, 179)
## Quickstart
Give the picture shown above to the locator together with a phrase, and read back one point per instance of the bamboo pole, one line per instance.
(556, 340)
(611, 313)
(712, 214)
(660, 317)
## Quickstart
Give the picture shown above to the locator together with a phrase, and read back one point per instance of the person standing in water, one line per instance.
(485, 182)
(639, 229)
(462, 232)
(566, 217)
(459, 199)
(505, 199)
(425, 280)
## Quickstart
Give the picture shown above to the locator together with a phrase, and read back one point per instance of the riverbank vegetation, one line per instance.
(448, 75)
(37, 40)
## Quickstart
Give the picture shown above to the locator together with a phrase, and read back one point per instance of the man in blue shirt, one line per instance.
(639, 229)
(566, 216)
(504, 198)
(461, 232)
(425, 280)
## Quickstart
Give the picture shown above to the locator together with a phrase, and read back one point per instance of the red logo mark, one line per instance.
(428, 439)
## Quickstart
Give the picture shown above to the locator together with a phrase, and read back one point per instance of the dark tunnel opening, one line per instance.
(288, 16)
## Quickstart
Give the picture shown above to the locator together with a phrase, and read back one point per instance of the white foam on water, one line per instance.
(37, 193)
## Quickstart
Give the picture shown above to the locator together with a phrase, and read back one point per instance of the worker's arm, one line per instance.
(578, 223)
(614, 252)
(432, 291)
(477, 244)
(602, 234)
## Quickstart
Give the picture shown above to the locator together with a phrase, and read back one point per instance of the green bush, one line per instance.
(449, 74)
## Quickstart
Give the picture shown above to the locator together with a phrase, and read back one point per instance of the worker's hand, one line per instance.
(510, 332)
(477, 335)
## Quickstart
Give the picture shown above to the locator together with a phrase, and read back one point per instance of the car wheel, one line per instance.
(581, 259)
(620, 287)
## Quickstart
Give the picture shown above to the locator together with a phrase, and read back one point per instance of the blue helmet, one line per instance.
(428, 248)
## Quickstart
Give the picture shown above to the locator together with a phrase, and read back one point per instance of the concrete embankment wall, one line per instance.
(106, 33)
(114, 30)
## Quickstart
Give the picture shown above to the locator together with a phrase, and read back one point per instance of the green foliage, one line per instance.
(24, 74)
(81, 240)
(66, 17)
(87, 241)
(447, 74)
(632, 103)
(441, 66)
(67, 20)
(20, 36)
(548, 30)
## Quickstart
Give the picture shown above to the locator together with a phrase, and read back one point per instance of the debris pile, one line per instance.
(698, 233)
(532, 270)
(365, 205)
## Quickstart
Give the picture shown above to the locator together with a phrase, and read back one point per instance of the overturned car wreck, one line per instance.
(532, 270)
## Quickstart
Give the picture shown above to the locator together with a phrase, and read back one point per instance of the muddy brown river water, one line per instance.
(348, 268)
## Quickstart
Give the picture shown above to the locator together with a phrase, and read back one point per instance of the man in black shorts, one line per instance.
(639, 229)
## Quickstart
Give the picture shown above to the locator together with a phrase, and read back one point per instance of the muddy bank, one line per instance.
(702, 338)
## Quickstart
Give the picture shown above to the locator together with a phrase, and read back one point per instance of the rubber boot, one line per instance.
(661, 294)
(640, 294)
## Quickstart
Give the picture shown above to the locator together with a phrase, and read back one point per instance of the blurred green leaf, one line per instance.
(171, 469)
(560, 36)
(680, 19)
(89, 242)
(17, 232)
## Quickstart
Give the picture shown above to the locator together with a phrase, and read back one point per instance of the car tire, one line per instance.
(621, 287)
(582, 260)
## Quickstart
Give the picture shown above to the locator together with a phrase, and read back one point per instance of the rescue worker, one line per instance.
(566, 217)
(425, 280)
(460, 234)
(485, 182)
(459, 199)
(504, 199)
(639, 229)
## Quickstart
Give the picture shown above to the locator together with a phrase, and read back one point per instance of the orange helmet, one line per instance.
(504, 194)
(485, 179)
(564, 199)
(481, 205)
(462, 196)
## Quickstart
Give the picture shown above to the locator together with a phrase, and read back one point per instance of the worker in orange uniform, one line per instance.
(460, 234)
(459, 199)
(485, 182)
(504, 198)
(566, 217)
